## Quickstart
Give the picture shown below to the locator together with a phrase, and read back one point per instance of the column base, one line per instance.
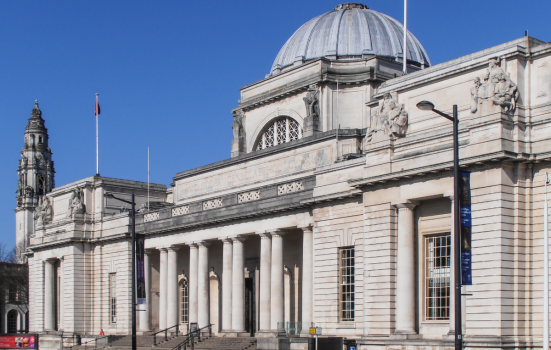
(235, 334)
(266, 334)
(405, 335)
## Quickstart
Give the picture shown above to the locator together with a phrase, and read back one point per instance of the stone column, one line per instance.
(145, 315)
(162, 288)
(203, 309)
(49, 301)
(238, 286)
(277, 298)
(193, 260)
(405, 279)
(172, 288)
(61, 294)
(265, 281)
(227, 260)
(452, 273)
(307, 278)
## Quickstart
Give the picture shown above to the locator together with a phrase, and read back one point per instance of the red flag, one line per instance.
(97, 110)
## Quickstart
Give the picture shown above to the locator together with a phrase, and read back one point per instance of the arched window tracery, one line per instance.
(281, 130)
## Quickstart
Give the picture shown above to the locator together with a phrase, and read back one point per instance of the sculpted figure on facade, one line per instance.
(311, 101)
(390, 118)
(237, 125)
(43, 213)
(497, 89)
(239, 136)
(76, 205)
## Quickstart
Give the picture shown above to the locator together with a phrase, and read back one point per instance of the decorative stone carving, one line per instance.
(238, 126)
(248, 196)
(497, 89)
(43, 213)
(290, 187)
(29, 192)
(151, 216)
(390, 119)
(76, 205)
(311, 122)
(180, 210)
(212, 204)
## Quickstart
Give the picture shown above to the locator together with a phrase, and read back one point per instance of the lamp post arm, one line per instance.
(447, 116)
(120, 199)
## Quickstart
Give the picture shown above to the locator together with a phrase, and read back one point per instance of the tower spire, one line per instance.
(35, 175)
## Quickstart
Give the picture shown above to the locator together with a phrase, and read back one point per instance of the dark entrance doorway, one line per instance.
(250, 306)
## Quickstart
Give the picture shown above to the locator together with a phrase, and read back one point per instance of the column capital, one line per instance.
(309, 225)
(203, 244)
(227, 240)
(309, 228)
(193, 245)
(240, 239)
(276, 232)
(148, 251)
(407, 205)
(264, 234)
(162, 249)
(173, 248)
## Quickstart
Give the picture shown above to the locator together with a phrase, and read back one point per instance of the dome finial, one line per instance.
(351, 5)
(36, 112)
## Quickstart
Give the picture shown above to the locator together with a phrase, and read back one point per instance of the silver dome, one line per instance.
(349, 31)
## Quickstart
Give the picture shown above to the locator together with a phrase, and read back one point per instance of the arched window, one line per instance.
(279, 131)
(184, 302)
(12, 321)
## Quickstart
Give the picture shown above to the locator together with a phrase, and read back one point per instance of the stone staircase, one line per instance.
(220, 343)
(145, 342)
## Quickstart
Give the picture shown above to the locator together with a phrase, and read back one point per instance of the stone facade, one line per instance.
(331, 224)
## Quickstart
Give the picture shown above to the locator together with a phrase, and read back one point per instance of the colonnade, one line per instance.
(271, 308)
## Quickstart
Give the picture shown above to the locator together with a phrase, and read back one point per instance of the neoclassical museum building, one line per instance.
(333, 210)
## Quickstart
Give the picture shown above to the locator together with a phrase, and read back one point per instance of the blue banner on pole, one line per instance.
(140, 270)
(466, 227)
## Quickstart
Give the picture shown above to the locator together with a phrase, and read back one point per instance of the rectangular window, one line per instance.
(112, 298)
(346, 283)
(437, 276)
(184, 305)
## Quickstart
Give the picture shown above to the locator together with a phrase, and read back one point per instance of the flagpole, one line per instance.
(405, 35)
(97, 139)
(148, 178)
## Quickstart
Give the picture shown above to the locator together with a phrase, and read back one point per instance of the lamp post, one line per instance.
(110, 195)
(429, 106)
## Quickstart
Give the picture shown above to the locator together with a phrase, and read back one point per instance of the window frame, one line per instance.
(423, 306)
(112, 298)
(183, 304)
(260, 143)
(341, 294)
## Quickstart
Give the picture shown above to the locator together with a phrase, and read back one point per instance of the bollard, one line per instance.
(155, 339)
(166, 334)
(177, 329)
(210, 331)
(192, 345)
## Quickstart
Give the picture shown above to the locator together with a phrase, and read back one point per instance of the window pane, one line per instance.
(437, 276)
(347, 280)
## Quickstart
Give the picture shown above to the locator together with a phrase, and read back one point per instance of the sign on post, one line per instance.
(140, 268)
(312, 331)
(466, 227)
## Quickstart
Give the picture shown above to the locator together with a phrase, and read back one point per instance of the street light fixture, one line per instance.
(133, 204)
(429, 106)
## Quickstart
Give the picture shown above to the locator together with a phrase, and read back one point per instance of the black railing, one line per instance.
(190, 338)
(95, 341)
(166, 333)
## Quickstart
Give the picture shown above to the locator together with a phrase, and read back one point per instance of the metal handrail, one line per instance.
(189, 338)
(166, 333)
(95, 340)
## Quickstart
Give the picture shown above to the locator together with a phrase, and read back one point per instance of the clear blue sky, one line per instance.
(169, 72)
